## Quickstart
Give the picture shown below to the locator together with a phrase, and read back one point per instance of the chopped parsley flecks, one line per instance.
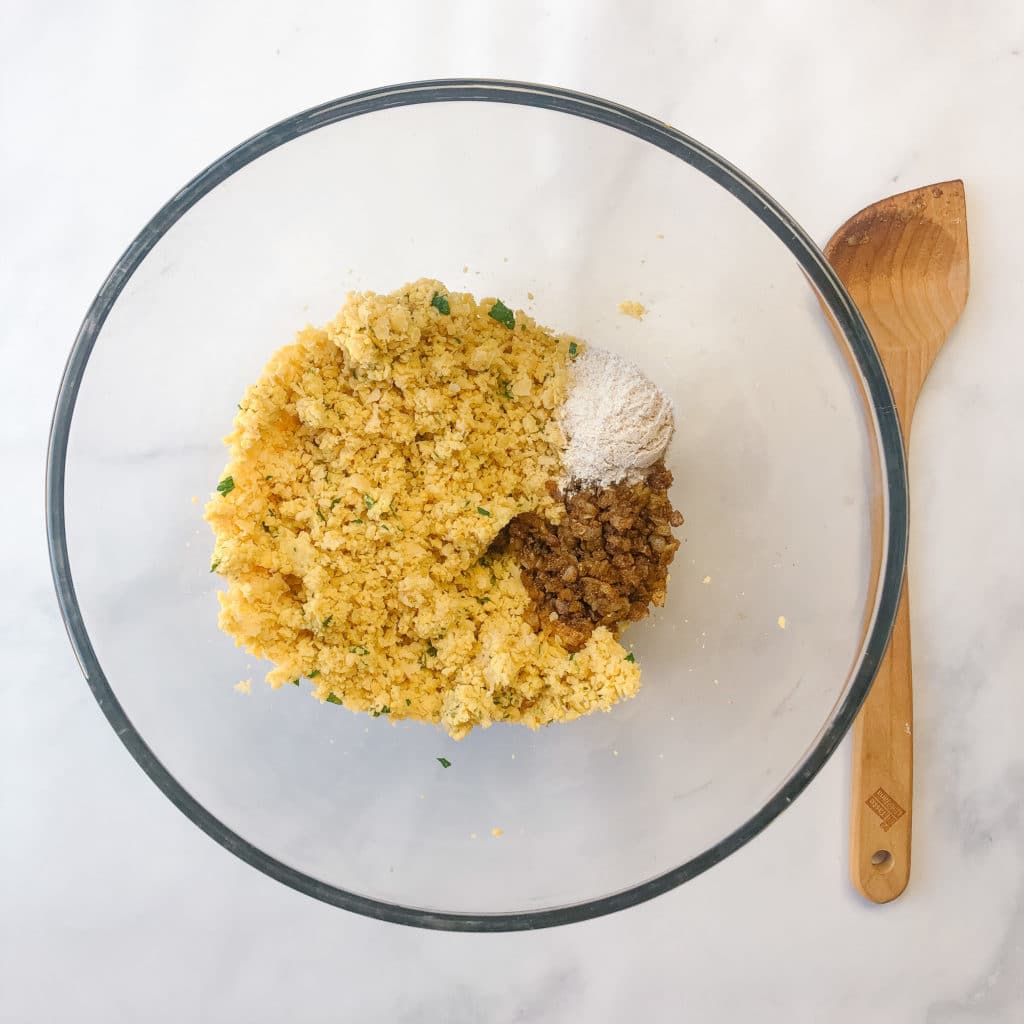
(629, 657)
(573, 349)
(295, 682)
(327, 622)
(331, 699)
(334, 501)
(441, 304)
(370, 502)
(408, 703)
(314, 673)
(483, 600)
(506, 390)
(431, 651)
(359, 521)
(444, 762)
(359, 649)
(214, 564)
(320, 513)
(504, 315)
(226, 486)
(573, 655)
(482, 511)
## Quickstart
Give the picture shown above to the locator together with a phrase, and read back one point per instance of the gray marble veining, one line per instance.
(114, 907)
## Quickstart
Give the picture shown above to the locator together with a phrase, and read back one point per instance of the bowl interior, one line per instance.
(772, 459)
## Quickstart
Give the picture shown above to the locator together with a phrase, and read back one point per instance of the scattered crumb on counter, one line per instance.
(707, 579)
(615, 753)
(195, 500)
(782, 622)
(659, 235)
(472, 835)
(634, 309)
(245, 686)
(529, 295)
(497, 832)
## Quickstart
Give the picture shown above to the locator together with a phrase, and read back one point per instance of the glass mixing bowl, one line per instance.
(788, 467)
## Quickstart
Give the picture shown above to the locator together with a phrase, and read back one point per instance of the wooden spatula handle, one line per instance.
(904, 261)
(883, 773)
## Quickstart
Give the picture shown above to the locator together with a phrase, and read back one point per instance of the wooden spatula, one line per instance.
(904, 262)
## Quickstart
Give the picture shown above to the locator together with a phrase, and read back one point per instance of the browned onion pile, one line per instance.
(605, 564)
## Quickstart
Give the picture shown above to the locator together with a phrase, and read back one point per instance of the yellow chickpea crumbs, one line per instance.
(245, 686)
(371, 467)
(634, 309)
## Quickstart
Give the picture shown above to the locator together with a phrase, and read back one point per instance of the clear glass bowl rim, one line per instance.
(648, 129)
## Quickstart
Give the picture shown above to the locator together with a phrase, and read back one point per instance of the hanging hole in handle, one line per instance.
(882, 860)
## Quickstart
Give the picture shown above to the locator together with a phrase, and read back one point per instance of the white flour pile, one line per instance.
(617, 423)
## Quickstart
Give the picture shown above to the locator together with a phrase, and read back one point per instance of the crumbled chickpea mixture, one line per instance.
(371, 467)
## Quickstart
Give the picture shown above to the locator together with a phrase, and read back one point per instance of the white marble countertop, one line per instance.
(114, 907)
